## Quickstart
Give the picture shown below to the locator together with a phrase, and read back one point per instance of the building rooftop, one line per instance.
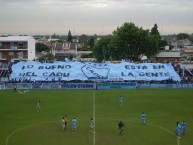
(188, 50)
(169, 54)
(15, 38)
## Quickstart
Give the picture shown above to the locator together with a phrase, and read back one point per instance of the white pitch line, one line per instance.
(25, 91)
(7, 139)
(20, 92)
(178, 139)
(26, 127)
(162, 128)
(153, 125)
(20, 129)
(157, 126)
(94, 136)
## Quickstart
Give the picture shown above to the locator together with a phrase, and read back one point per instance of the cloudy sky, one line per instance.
(93, 16)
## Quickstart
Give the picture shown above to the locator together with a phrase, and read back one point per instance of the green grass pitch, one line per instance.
(21, 124)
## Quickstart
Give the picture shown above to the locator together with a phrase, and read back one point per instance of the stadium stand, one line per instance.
(4, 71)
(185, 74)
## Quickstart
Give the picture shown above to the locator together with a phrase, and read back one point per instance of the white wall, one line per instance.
(31, 48)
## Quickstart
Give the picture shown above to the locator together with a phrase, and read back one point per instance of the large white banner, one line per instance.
(32, 70)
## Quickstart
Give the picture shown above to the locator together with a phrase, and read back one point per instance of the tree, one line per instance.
(154, 31)
(41, 47)
(83, 38)
(50, 56)
(163, 43)
(131, 42)
(100, 50)
(191, 38)
(91, 42)
(182, 36)
(69, 36)
(87, 42)
(151, 46)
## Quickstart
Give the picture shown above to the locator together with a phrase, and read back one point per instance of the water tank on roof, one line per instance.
(167, 48)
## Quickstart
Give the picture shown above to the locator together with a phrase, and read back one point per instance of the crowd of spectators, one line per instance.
(186, 76)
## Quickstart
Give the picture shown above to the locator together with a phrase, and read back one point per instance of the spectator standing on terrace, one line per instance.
(143, 118)
(74, 122)
(121, 100)
(39, 106)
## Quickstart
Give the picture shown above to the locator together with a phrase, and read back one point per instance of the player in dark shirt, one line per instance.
(121, 127)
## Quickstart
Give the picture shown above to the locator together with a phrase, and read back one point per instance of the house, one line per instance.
(168, 56)
(184, 43)
(187, 52)
(15, 48)
(174, 43)
(65, 49)
(180, 43)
